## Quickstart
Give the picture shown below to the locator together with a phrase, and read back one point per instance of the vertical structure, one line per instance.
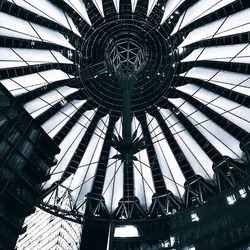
(26, 154)
(46, 232)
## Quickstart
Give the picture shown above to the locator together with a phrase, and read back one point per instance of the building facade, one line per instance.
(49, 232)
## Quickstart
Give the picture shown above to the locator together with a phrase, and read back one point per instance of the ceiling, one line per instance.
(190, 116)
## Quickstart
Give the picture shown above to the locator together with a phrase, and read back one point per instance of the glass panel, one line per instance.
(233, 111)
(172, 174)
(56, 122)
(230, 80)
(199, 10)
(24, 57)
(50, 11)
(44, 102)
(22, 84)
(220, 139)
(198, 159)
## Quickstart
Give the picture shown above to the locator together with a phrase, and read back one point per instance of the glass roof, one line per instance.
(186, 111)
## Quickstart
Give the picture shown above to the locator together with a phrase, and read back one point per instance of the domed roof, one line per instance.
(148, 100)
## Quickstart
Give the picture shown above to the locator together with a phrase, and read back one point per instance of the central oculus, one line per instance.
(127, 58)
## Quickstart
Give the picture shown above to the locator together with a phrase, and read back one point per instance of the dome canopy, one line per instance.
(148, 100)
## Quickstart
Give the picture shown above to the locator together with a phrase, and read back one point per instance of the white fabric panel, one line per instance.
(57, 121)
(230, 80)
(199, 10)
(220, 139)
(151, 5)
(204, 32)
(80, 8)
(234, 24)
(51, 36)
(172, 174)
(22, 84)
(237, 53)
(199, 161)
(11, 26)
(48, 10)
(117, 5)
(234, 112)
(69, 146)
(84, 176)
(44, 102)
(113, 184)
(11, 58)
(143, 181)
(133, 5)
(99, 6)
(170, 7)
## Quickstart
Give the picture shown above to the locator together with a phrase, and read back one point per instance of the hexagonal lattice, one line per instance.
(127, 57)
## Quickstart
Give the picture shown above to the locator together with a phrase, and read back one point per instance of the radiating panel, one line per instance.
(232, 25)
(69, 146)
(198, 159)
(170, 169)
(15, 27)
(117, 5)
(233, 111)
(23, 84)
(48, 10)
(221, 140)
(230, 80)
(56, 122)
(11, 58)
(237, 53)
(198, 10)
(84, 176)
(113, 184)
(44, 102)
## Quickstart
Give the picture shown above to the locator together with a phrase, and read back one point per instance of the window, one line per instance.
(126, 231)
(231, 199)
(194, 217)
(243, 193)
